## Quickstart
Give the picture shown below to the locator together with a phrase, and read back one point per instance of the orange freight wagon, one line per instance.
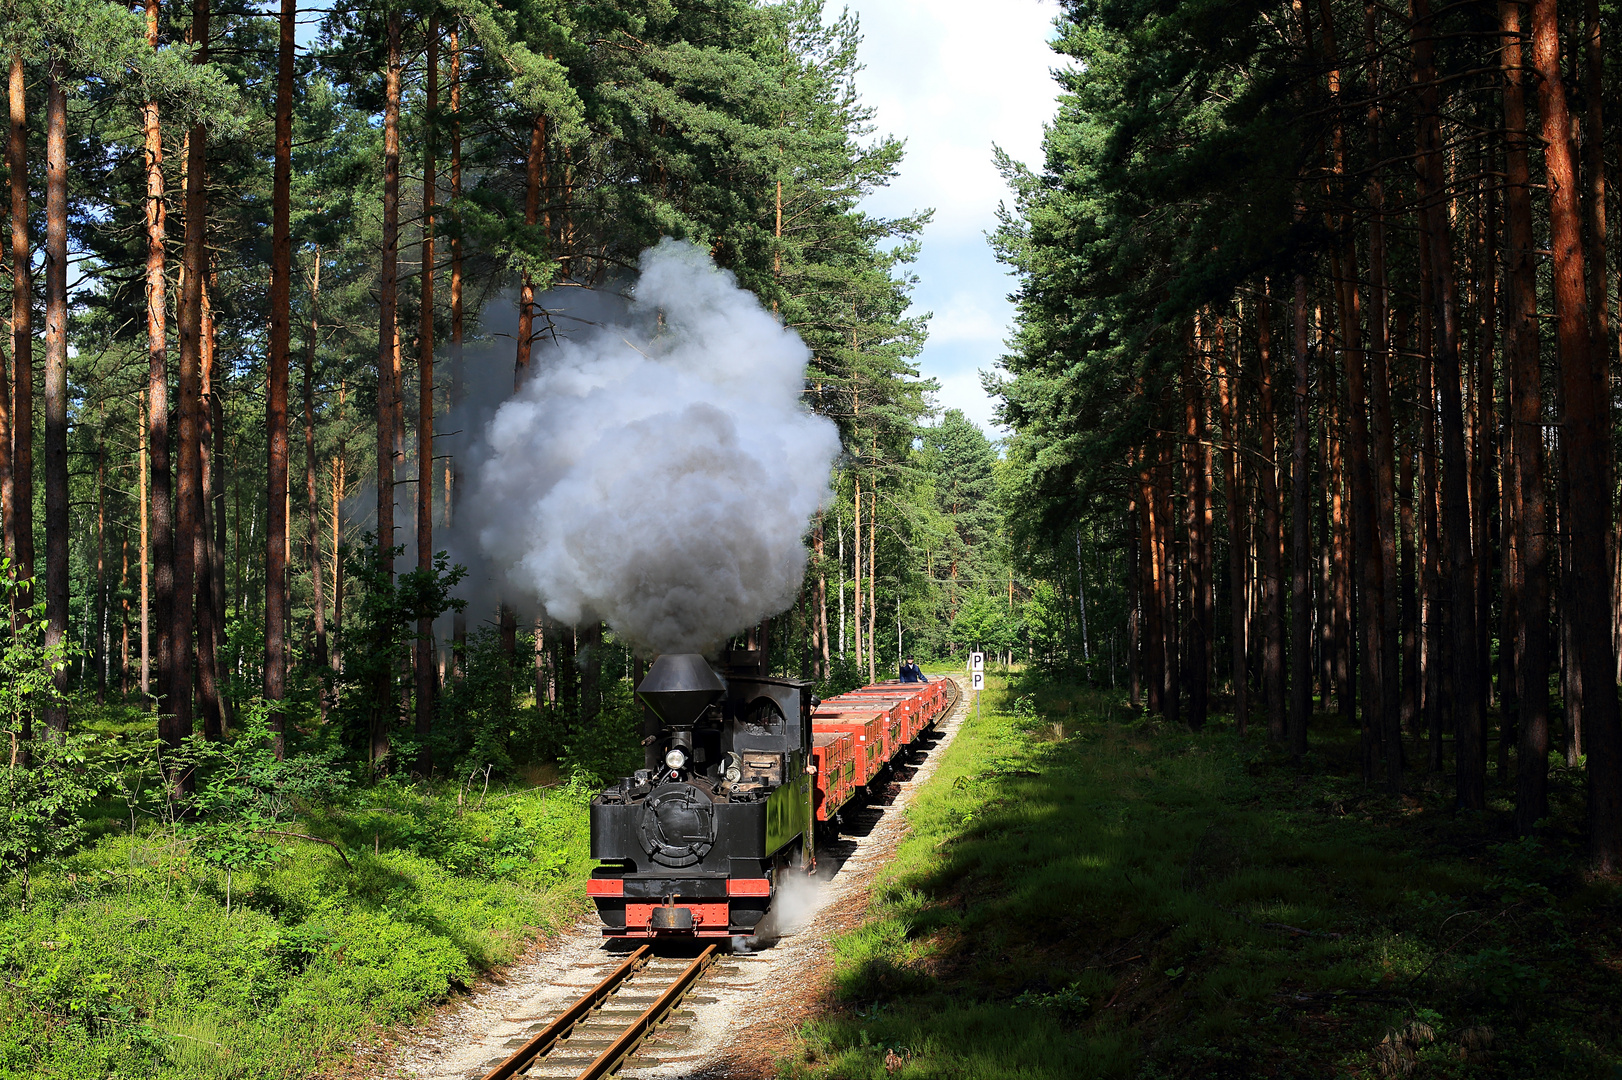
(866, 729)
(835, 755)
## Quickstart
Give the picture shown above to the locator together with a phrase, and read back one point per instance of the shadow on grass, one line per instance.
(1123, 898)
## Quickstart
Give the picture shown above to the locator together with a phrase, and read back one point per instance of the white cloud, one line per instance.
(953, 81)
(954, 77)
(964, 318)
(962, 391)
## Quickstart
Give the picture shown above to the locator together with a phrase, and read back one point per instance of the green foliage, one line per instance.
(986, 623)
(1132, 901)
(610, 744)
(388, 608)
(481, 717)
(43, 788)
(128, 961)
(489, 718)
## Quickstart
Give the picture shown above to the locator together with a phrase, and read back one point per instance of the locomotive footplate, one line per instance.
(652, 904)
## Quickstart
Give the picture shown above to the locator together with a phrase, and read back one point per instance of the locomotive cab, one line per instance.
(693, 843)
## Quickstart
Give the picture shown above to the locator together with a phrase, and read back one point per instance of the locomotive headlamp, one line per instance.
(675, 758)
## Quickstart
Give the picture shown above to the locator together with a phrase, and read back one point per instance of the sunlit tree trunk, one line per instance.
(56, 387)
(19, 413)
(312, 501)
(19, 524)
(872, 579)
(458, 619)
(1584, 384)
(22, 344)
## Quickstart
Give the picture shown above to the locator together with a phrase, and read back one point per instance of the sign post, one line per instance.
(977, 678)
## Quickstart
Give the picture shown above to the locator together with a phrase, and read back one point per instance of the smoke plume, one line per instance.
(658, 470)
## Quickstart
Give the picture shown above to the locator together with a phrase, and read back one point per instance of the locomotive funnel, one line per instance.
(680, 686)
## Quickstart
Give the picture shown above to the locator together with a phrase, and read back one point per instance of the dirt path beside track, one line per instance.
(735, 1022)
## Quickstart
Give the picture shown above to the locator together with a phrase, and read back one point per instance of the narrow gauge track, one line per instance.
(603, 1028)
(735, 992)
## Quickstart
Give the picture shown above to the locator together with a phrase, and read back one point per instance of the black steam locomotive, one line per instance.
(694, 843)
(740, 769)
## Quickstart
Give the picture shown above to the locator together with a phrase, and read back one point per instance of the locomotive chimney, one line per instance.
(680, 686)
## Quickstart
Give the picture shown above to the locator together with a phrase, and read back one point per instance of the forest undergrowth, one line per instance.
(1087, 894)
(228, 943)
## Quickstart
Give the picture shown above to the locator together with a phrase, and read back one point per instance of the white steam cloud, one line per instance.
(658, 472)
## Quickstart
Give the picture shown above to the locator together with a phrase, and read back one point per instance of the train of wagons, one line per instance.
(741, 770)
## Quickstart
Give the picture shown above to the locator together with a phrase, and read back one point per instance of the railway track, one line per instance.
(601, 1031)
(639, 1011)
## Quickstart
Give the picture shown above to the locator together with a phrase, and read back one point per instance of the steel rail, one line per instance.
(557, 1029)
(638, 1029)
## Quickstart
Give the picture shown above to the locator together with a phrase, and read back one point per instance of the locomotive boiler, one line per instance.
(739, 769)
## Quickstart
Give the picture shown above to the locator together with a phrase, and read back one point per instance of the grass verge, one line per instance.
(1092, 897)
(127, 962)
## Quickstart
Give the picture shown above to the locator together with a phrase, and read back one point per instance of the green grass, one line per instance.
(125, 962)
(1089, 897)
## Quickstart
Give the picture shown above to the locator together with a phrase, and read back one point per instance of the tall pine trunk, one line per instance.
(1165, 554)
(1301, 536)
(1469, 717)
(209, 701)
(1238, 557)
(188, 487)
(312, 499)
(1272, 538)
(1584, 385)
(458, 619)
(1530, 575)
(281, 318)
(532, 215)
(155, 662)
(20, 525)
(56, 388)
(1199, 630)
(426, 678)
(872, 580)
(388, 390)
(1153, 647)
(19, 476)
(1382, 433)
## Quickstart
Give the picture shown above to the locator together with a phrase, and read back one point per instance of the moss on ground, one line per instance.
(1085, 894)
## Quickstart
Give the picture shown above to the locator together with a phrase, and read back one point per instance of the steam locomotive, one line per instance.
(741, 768)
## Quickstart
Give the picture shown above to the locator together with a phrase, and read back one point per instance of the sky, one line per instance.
(952, 77)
